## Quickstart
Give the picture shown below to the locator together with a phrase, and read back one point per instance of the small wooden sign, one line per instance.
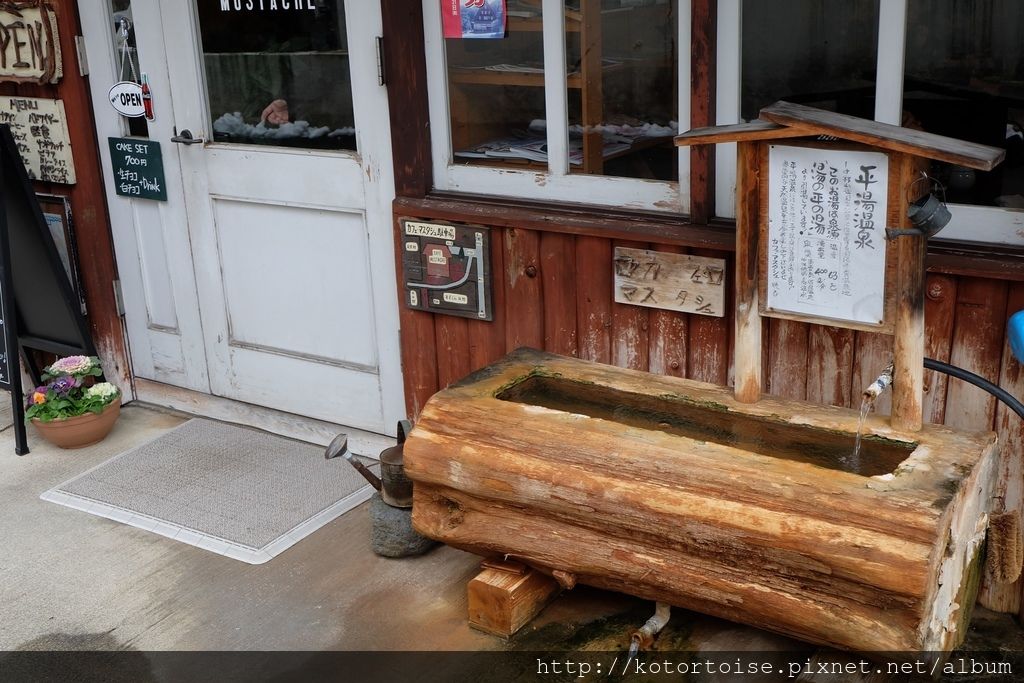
(29, 44)
(674, 282)
(40, 130)
(138, 168)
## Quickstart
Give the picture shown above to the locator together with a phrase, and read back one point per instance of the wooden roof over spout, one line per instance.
(904, 275)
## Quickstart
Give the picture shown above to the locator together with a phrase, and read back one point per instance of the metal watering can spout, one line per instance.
(339, 446)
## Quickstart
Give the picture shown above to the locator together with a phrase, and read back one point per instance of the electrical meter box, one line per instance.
(446, 268)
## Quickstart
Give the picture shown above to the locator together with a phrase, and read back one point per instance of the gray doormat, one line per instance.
(232, 490)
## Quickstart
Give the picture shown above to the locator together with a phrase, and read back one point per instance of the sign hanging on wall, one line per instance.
(825, 248)
(40, 131)
(138, 168)
(674, 282)
(29, 44)
(446, 268)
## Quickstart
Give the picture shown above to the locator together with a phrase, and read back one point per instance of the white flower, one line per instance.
(102, 390)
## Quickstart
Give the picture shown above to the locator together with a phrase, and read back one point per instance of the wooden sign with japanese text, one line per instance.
(824, 251)
(138, 168)
(40, 131)
(674, 282)
(29, 44)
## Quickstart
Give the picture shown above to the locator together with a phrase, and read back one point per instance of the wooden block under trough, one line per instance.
(505, 596)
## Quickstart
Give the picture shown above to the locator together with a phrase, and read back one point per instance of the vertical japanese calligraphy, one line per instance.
(826, 233)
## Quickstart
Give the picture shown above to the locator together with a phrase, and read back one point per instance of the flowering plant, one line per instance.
(70, 390)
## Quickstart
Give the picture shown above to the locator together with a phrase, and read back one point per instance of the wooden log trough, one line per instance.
(671, 490)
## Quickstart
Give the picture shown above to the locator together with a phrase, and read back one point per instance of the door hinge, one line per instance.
(381, 74)
(118, 297)
(83, 56)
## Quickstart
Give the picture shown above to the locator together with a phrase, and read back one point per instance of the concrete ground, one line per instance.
(70, 580)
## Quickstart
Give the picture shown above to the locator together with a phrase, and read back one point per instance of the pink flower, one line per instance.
(71, 365)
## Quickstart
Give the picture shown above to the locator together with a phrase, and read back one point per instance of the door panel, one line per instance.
(311, 279)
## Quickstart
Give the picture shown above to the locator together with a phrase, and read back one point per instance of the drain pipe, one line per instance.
(978, 381)
(644, 636)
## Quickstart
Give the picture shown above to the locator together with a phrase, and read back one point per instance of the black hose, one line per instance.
(978, 381)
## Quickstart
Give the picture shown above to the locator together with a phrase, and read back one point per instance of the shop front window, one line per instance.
(622, 88)
(821, 54)
(551, 99)
(964, 71)
(278, 78)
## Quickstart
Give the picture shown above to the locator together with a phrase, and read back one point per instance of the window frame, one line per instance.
(971, 223)
(555, 184)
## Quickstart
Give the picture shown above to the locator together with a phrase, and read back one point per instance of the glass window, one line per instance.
(965, 78)
(496, 89)
(128, 58)
(816, 52)
(622, 87)
(278, 76)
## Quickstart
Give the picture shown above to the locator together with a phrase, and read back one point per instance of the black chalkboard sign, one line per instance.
(138, 168)
(40, 310)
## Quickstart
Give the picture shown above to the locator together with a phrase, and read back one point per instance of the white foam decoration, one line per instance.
(233, 124)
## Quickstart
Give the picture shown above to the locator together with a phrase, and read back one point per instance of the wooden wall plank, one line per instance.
(419, 344)
(487, 339)
(872, 353)
(829, 365)
(667, 336)
(452, 343)
(524, 314)
(594, 298)
(1010, 485)
(558, 270)
(629, 326)
(710, 337)
(405, 73)
(977, 346)
(939, 314)
(703, 27)
(788, 346)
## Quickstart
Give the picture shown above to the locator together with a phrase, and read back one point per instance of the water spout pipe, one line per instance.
(885, 380)
(644, 636)
(880, 384)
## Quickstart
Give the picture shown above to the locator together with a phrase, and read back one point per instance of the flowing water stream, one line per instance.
(865, 408)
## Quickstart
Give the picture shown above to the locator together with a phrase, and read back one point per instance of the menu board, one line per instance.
(40, 131)
(825, 248)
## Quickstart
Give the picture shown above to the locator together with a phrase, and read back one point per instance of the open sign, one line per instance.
(126, 98)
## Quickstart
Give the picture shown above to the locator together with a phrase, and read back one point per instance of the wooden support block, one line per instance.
(506, 595)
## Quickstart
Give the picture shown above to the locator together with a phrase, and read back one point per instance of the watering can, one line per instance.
(395, 488)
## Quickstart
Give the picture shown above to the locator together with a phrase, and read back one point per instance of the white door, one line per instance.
(275, 263)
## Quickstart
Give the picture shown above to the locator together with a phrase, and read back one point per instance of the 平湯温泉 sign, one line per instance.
(825, 250)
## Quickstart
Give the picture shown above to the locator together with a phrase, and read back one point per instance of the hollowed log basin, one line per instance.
(670, 490)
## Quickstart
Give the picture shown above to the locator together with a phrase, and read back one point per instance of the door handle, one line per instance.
(185, 138)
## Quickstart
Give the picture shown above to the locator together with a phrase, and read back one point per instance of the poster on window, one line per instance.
(473, 18)
(826, 233)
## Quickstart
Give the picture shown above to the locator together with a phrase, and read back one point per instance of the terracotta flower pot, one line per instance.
(82, 430)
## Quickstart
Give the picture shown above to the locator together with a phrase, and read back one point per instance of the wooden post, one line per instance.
(908, 345)
(748, 319)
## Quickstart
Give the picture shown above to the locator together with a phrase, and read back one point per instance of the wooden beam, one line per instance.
(405, 73)
(739, 132)
(748, 319)
(703, 68)
(908, 343)
(885, 136)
